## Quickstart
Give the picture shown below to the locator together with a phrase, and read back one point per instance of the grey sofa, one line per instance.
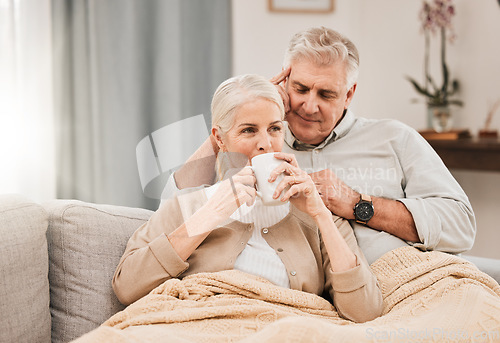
(57, 261)
(56, 264)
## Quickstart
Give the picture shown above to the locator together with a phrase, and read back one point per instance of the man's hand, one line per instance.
(390, 216)
(277, 80)
(337, 196)
(199, 169)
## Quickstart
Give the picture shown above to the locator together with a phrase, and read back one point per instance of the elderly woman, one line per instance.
(298, 244)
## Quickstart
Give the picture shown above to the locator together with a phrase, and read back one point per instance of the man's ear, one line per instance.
(218, 138)
(350, 95)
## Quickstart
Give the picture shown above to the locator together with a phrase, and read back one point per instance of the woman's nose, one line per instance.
(264, 142)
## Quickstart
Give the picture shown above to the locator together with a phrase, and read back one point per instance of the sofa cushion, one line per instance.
(86, 242)
(24, 285)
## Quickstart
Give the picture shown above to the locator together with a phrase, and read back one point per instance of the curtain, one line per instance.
(27, 161)
(123, 70)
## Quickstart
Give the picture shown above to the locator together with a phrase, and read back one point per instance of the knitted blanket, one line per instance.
(429, 297)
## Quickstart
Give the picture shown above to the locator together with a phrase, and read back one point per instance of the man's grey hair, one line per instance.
(324, 46)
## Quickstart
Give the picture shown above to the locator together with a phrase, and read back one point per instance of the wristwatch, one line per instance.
(363, 210)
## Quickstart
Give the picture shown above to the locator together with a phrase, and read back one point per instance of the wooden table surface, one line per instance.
(469, 153)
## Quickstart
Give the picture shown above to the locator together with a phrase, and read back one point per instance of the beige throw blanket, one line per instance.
(429, 297)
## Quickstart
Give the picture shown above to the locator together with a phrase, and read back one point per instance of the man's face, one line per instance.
(318, 98)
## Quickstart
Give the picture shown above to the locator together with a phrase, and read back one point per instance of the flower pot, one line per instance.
(439, 118)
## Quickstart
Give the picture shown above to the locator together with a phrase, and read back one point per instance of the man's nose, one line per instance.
(311, 104)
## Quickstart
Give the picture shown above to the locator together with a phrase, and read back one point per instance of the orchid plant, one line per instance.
(436, 18)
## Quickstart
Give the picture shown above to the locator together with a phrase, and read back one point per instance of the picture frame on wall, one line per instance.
(301, 6)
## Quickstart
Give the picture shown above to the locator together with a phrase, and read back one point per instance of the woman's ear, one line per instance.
(216, 132)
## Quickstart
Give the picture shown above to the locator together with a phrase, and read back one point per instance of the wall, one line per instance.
(387, 34)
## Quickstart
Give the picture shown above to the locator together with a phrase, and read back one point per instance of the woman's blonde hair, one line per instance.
(235, 92)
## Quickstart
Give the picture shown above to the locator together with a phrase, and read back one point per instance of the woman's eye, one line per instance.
(248, 130)
(276, 128)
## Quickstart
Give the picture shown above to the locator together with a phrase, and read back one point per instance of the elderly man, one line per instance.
(380, 174)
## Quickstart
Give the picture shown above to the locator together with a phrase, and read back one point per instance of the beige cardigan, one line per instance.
(149, 258)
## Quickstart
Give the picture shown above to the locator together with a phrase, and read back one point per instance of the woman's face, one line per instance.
(257, 129)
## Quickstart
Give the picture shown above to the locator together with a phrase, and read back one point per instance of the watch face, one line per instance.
(364, 211)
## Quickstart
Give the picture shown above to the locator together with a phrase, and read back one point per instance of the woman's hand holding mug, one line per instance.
(233, 192)
(297, 186)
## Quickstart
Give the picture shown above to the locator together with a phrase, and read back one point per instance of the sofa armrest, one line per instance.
(24, 285)
(489, 266)
(86, 242)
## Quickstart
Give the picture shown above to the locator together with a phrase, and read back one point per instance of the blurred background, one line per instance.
(82, 82)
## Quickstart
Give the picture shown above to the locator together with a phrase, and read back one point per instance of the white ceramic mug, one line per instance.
(262, 166)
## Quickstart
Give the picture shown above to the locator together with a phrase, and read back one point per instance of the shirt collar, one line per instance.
(345, 125)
